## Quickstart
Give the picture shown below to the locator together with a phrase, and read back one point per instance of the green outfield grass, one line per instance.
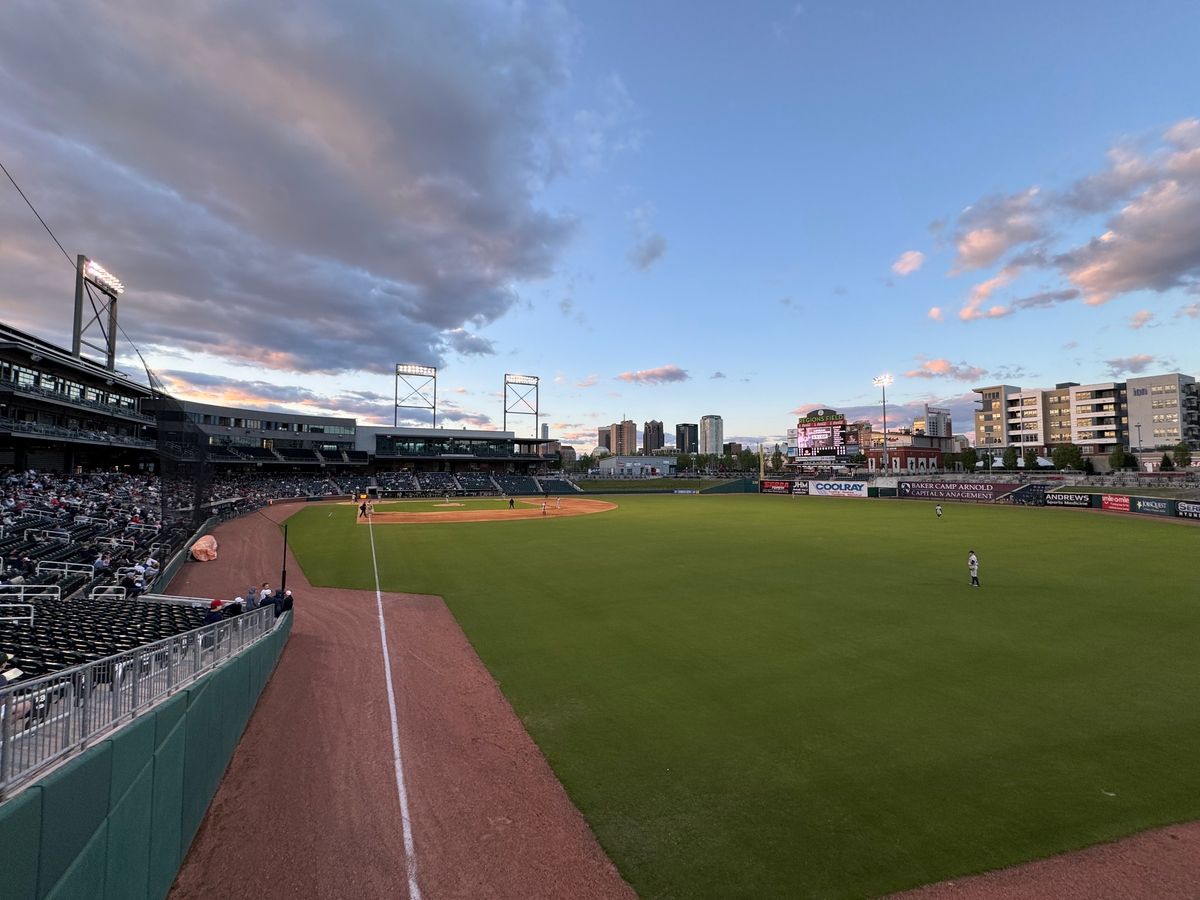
(774, 697)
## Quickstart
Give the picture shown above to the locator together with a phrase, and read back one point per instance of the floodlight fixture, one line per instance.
(102, 278)
(414, 369)
(420, 385)
(882, 382)
(521, 398)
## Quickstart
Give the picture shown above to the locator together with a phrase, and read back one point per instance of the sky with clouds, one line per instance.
(663, 210)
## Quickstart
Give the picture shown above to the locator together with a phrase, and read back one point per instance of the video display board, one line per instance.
(821, 433)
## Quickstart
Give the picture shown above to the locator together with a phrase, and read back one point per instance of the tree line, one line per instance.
(1068, 456)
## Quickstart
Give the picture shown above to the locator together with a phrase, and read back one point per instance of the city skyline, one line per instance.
(760, 218)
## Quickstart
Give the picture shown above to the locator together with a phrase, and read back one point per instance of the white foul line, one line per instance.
(410, 862)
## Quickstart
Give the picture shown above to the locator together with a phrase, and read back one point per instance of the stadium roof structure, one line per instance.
(14, 340)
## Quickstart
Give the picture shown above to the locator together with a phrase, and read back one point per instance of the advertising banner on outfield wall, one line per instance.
(1152, 506)
(837, 488)
(775, 487)
(1187, 509)
(976, 491)
(1068, 498)
(800, 488)
(1115, 502)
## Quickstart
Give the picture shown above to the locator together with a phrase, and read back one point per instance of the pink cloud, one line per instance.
(973, 309)
(908, 262)
(1140, 318)
(660, 375)
(935, 313)
(943, 368)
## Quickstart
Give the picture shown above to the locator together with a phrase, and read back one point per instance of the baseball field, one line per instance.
(777, 697)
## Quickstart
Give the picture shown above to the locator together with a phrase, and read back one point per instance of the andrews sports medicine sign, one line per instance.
(977, 491)
(1069, 498)
(837, 488)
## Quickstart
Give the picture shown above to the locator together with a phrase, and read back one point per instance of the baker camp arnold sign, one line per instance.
(978, 491)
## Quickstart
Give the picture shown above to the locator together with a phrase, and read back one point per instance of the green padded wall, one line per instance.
(20, 844)
(74, 806)
(84, 878)
(117, 821)
(166, 811)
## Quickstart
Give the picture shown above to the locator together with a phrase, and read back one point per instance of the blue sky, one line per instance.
(664, 210)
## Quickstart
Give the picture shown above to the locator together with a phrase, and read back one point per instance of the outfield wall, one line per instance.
(987, 492)
(117, 821)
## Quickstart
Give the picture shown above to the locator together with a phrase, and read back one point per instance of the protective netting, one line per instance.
(184, 466)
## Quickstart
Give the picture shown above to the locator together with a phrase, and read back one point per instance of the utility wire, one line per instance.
(38, 214)
(149, 376)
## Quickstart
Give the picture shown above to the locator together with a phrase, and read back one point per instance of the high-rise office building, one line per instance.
(604, 437)
(652, 436)
(712, 434)
(686, 438)
(545, 431)
(935, 423)
(624, 438)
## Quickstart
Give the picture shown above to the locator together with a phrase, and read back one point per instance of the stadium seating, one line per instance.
(556, 485)
(477, 482)
(437, 482)
(67, 633)
(518, 484)
(401, 480)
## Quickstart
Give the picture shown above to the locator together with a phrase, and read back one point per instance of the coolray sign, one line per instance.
(1116, 502)
(838, 488)
(1187, 509)
(1152, 506)
(1067, 498)
(976, 491)
(775, 487)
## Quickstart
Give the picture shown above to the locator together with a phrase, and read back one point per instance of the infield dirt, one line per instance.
(569, 507)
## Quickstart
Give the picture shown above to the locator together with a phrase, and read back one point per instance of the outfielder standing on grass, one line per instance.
(938, 509)
(973, 568)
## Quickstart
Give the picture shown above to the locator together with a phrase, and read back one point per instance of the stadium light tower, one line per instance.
(90, 274)
(882, 382)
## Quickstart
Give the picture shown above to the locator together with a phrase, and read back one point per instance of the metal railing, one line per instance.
(46, 719)
(8, 612)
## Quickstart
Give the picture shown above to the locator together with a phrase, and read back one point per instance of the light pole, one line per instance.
(1138, 426)
(881, 382)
